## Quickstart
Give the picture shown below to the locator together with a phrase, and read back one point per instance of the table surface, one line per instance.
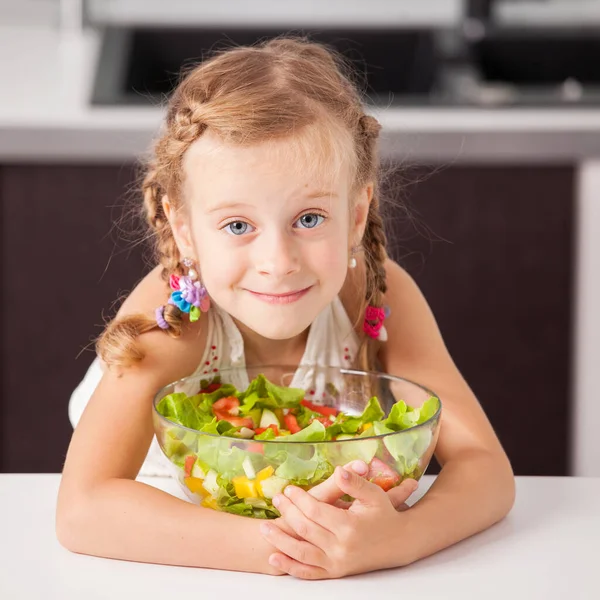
(546, 548)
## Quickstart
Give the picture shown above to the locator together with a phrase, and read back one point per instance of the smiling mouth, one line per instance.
(286, 298)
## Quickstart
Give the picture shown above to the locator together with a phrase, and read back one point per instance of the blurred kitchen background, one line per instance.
(491, 109)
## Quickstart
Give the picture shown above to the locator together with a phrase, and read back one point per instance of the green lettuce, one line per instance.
(295, 468)
(264, 394)
(315, 432)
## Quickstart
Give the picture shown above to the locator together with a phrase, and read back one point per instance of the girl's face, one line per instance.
(272, 240)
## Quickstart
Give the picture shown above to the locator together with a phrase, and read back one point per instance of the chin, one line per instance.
(280, 330)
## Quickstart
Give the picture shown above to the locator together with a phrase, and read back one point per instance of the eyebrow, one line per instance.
(229, 205)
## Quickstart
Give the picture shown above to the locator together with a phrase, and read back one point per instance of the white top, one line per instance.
(331, 341)
(546, 549)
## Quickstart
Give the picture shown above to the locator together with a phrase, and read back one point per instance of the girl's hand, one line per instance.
(330, 542)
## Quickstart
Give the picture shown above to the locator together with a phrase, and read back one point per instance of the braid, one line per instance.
(165, 246)
(374, 239)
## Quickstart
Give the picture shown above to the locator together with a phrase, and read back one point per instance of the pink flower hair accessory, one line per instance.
(373, 323)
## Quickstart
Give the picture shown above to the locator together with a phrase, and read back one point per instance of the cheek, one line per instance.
(219, 268)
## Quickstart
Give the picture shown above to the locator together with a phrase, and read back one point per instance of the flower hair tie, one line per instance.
(188, 295)
(373, 323)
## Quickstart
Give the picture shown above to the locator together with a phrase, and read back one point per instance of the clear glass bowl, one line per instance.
(241, 476)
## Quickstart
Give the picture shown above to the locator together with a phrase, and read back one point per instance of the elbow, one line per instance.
(507, 489)
(68, 522)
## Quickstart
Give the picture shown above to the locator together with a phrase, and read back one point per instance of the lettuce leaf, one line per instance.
(295, 468)
(264, 394)
(267, 434)
(315, 432)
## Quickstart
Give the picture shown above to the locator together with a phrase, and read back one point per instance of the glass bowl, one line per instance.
(241, 476)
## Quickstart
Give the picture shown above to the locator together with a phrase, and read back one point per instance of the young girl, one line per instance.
(263, 189)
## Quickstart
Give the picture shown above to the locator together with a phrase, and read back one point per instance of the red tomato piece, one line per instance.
(189, 465)
(382, 475)
(209, 389)
(256, 447)
(235, 421)
(291, 423)
(325, 420)
(322, 410)
(272, 426)
(229, 405)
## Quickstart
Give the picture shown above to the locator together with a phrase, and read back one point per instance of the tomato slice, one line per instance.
(272, 426)
(291, 423)
(235, 421)
(229, 405)
(322, 410)
(189, 464)
(256, 447)
(382, 475)
(209, 389)
(325, 420)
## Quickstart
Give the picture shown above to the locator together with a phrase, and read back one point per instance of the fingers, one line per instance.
(401, 493)
(302, 524)
(295, 569)
(364, 491)
(304, 507)
(329, 492)
(300, 550)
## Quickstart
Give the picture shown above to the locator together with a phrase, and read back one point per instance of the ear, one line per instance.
(180, 227)
(358, 222)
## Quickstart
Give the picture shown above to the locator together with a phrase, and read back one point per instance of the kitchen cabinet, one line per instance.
(492, 253)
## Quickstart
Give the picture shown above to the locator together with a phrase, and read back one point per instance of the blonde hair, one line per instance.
(284, 87)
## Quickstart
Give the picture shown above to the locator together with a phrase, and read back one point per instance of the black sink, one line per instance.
(533, 57)
(141, 65)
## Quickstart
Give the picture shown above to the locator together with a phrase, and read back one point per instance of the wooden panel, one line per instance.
(61, 272)
(496, 267)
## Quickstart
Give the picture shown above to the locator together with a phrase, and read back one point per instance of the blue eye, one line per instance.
(310, 220)
(237, 227)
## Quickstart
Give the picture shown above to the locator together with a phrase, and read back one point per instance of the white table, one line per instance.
(547, 548)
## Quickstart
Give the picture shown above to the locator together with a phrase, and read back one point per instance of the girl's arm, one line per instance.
(102, 510)
(474, 490)
(476, 484)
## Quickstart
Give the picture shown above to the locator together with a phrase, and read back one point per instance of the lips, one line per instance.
(285, 298)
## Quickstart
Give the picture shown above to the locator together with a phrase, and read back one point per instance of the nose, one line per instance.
(277, 255)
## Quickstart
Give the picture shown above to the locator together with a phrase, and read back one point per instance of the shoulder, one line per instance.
(413, 334)
(410, 318)
(166, 357)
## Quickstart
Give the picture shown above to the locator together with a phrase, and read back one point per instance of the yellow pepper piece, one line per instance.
(194, 484)
(365, 426)
(265, 473)
(261, 476)
(210, 502)
(244, 487)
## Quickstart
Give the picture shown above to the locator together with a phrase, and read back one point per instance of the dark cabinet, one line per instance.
(490, 247)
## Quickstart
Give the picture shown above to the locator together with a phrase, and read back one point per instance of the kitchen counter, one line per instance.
(45, 115)
(545, 549)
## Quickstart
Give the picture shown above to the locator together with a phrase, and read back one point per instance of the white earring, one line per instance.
(352, 261)
(189, 263)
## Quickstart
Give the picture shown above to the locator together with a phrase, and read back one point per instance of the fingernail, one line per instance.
(345, 474)
(273, 561)
(276, 501)
(288, 491)
(360, 468)
(265, 529)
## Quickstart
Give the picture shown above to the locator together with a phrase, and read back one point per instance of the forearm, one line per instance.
(470, 494)
(129, 520)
